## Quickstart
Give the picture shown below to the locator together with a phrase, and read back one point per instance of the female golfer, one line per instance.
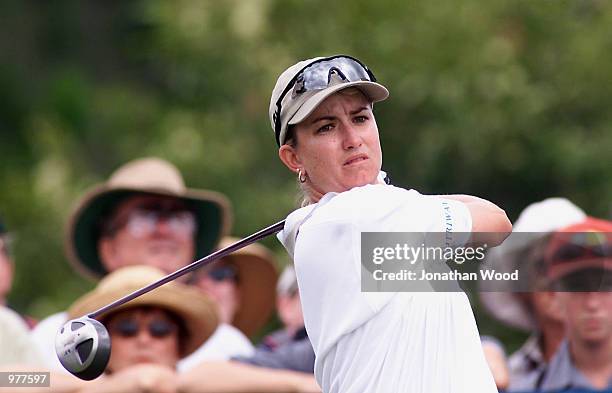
(321, 113)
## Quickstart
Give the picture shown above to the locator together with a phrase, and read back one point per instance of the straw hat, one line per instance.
(196, 310)
(257, 275)
(152, 176)
(537, 221)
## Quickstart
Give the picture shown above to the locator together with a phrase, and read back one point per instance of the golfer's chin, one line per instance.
(361, 179)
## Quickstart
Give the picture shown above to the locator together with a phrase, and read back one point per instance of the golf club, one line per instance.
(83, 345)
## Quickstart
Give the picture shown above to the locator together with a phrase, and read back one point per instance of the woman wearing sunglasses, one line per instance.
(150, 334)
(321, 114)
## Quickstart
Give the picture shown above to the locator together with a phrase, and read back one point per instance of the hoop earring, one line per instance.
(301, 176)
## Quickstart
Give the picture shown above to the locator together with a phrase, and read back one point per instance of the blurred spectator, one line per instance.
(6, 265)
(289, 347)
(580, 258)
(283, 362)
(145, 215)
(149, 334)
(534, 312)
(242, 286)
(7, 271)
(15, 342)
(288, 305)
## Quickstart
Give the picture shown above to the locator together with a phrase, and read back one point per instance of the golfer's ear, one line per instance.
(290, 158)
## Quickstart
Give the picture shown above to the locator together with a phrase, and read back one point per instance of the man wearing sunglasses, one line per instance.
(143, 215)
(532, 312)
(242, 287)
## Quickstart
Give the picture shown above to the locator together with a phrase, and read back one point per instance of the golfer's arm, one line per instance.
(489, 222)
(224, 377)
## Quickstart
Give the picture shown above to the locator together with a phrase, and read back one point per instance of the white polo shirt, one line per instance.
(381, 342)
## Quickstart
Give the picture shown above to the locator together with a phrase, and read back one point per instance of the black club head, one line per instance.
(83, 347)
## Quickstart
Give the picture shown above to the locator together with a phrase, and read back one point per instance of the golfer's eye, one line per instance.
(325, 128)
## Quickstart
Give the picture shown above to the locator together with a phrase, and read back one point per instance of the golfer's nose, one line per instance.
(351, 136)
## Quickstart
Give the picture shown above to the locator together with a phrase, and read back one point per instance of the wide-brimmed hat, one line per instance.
(295, 109)
(257, 276)
(151, 176)
(537, 221)
(195, 309)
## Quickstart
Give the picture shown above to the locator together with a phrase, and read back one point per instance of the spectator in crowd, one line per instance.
(580, 268)
(149, 334)
(242, 286)
(6, 273)
(289, 310)
(534, 311)
(15, 342)
(289, 347)
(17, 348)
(283, 362)
(6, 265)
(145, 215)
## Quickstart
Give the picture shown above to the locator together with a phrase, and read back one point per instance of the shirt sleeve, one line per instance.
(451, 217)
(295, 355)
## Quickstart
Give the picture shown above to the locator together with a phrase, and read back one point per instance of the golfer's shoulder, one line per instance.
(363, 205)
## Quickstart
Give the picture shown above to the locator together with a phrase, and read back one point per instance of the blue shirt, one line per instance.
(562, 374)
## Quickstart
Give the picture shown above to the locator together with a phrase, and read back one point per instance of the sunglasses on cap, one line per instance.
(582, 246)
(128, 328)
(573, 252)
(317, 76)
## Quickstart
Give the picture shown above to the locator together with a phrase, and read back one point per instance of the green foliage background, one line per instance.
(507, 100)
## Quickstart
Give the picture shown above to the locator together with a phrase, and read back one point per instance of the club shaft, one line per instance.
(272, 229)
